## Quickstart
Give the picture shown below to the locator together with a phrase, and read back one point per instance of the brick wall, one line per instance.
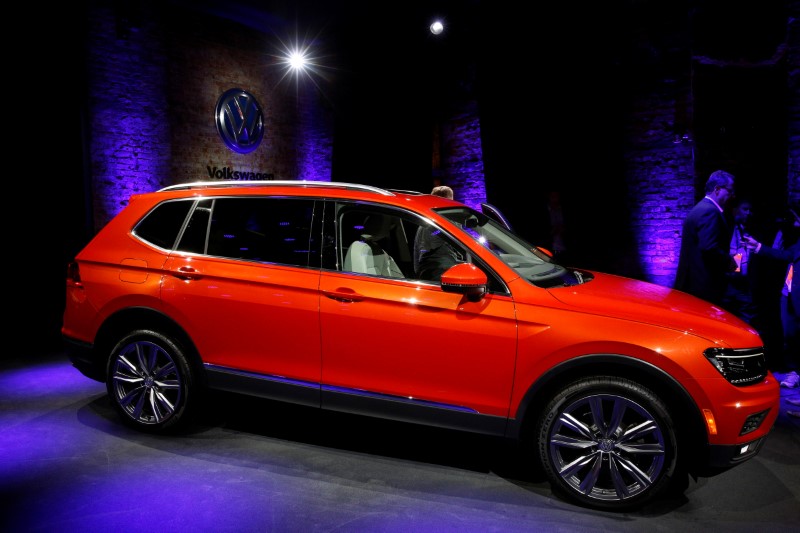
(155, 76)
(462, 158)
(661, 183)
(129, 144)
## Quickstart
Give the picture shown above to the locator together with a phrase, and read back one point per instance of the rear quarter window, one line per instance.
(161, 226)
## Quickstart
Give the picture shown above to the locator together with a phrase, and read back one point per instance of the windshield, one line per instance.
(527, 260)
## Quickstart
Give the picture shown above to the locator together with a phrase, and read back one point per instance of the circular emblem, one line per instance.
(240, 121)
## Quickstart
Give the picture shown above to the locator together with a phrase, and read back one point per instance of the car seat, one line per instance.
(366, 256)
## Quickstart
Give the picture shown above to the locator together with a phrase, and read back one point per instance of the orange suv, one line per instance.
(417, 308)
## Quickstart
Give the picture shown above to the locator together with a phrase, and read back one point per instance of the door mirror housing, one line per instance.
(466, 279)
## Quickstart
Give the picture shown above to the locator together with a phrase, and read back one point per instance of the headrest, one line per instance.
(376, 227)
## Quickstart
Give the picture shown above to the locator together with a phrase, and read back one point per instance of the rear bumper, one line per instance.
(81, 355)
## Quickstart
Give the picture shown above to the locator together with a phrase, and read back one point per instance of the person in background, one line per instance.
(768, 276)
(444, 191)
(705, 259)
(787, 231)
(425, 238)
(558, 237)
(738, 297)
(790, 299)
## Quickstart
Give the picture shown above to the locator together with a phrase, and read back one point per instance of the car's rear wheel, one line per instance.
(607, 443)
(149, 381)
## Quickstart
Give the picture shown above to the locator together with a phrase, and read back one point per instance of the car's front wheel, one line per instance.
(149, 381)
(607, 443)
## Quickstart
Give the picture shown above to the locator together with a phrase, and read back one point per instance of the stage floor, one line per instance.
(68, 464)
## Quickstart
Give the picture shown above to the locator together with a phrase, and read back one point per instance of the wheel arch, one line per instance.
(124, 321)
(671, 392)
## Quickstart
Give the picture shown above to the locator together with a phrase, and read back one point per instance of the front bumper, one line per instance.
(724, 457)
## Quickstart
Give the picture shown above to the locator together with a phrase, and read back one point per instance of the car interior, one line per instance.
(366, 256)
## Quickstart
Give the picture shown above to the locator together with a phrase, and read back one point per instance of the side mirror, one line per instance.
(545, 251)
(466, 279)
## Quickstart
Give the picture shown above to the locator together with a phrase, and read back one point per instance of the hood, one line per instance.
(640, 301)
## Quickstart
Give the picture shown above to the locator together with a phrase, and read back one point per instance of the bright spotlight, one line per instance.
(297, 60)
(437, 27)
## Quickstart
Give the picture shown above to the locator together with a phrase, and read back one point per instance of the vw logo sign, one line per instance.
(240, 121)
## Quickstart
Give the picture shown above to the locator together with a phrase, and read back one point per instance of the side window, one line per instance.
(395, 244)
(435, 252)
(161, 226)
(273, 230)
(374, 241)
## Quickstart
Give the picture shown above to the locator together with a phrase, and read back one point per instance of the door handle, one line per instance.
(187, 273)
(343, 295)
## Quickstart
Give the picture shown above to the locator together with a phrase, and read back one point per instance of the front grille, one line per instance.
(741, 367)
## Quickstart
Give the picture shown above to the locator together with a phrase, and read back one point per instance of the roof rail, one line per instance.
(406, 191)
(274, 183)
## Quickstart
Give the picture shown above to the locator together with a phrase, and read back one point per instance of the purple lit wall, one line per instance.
(315, 143)
(462, 157)
(699, 111)
(154, 77)
(129, 129)
(660, 177)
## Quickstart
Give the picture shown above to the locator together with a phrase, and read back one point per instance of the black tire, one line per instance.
(150, 382)
(607, 443)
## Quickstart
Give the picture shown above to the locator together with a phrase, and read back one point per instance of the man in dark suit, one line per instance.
(705, 243)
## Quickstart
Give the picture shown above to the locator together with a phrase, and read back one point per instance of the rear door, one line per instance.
(245, 286)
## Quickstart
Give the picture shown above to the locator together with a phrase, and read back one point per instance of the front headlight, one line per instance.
(744, 366)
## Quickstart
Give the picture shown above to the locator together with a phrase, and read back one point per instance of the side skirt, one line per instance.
(354, 401)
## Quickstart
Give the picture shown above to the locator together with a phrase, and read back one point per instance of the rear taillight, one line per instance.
(73, 274)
